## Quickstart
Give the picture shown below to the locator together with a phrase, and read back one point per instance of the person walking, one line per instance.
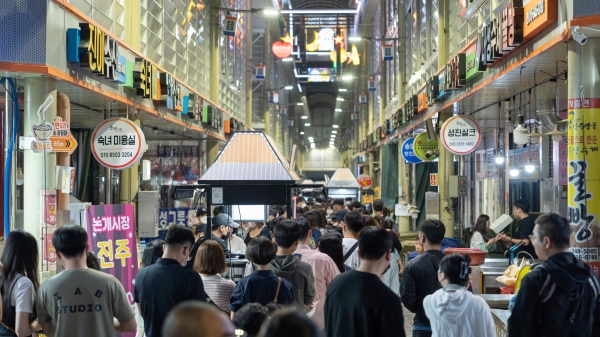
(561, 296)
(289, 267)
(210, 264)
(357, 303)
(80, 301)
(324, 270)
(262, 286)
(351, 226)
(163, 285)
(453, 311)
(18, 284)
(330, 244)
(420, 275)
(152, 252)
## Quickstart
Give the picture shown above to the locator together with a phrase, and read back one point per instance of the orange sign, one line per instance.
(433, 179)
(63, 143)
(422, 106)
(539, 14)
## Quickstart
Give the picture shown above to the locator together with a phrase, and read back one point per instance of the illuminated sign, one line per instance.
(142, 78)
(422, 103)
(455, 72)
(230, 25)
(371, 84)
(538, 16)
(91, 48)
(433, 90)
(362, 99)
(471, 65)
(411, 107)
(260, 72)
(387, 52)
(170, 91)
(500, 35)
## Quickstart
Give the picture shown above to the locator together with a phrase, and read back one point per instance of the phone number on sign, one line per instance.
(461, 143)
(116, 154)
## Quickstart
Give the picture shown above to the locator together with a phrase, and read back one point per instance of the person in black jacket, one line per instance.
(559, 297)
(420, 275)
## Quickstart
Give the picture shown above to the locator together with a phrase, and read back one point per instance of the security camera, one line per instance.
(579, 36)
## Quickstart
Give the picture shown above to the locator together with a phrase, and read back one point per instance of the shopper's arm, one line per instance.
(22, 326)
(129, 326)
(408, 290)
(309, 288)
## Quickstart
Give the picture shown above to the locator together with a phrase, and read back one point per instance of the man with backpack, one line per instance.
(559, 297)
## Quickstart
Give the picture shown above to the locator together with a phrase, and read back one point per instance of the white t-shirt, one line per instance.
(353, 261)
(218, 289)
(23, 295)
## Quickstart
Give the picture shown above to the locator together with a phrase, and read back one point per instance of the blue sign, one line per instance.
(442, 92)
(408, 153)
(179, 216)
(121, 70)
(185, 104)
(73, 40)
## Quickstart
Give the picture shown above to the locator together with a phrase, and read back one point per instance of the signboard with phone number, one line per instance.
(118, 143)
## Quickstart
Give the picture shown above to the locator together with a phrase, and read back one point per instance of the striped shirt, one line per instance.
(218, 289)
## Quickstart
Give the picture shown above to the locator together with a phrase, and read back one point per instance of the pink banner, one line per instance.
(111, 236)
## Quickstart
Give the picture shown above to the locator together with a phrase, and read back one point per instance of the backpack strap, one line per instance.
(277, 293)
(352, 249)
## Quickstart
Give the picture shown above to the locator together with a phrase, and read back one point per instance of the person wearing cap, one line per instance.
(198, 230)
(222, 226)
(337, 218)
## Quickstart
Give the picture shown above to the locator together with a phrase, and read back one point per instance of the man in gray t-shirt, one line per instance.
(81, 301)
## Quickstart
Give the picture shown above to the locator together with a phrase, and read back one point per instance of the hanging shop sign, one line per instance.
(282, 49)
(230, 25)
(282, 111)
(433, 90)
(353, 116)
(362, 99)
(356, 108)
(425, 149)
(387, 52)
(539, 14)
(170, 92)
(63, 140)
(408, 152)
(471, 65)
(460, 135)
(273, 97)
(175, 216)
(455, 73)
(411, 107)
(118, 143)
(194, 104)
(112, 238)
(500, 35)
(290, 123)
(43, 130)
(260, 72)
(371, 84)
(365, 181)
(442, 91)
(145, 78)
(212, 117)
(422, 103)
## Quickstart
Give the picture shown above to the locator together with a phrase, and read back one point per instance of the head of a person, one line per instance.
(378, 205)
(338, 218)
(388, 224)
(299, 210)
(305, 229)
(198, 319)
(551, 235)
(218, 210)
(20, 255)
(210, 258)
(201, 215)
(379, 219)
(432, 233)
(272, 213)
(323, 215)
(314, 218)
(353, 222)
(153, 251)
(330, 243)
(370, 221)
(521, 208)
(348, 206)
(283, 211)
(92, 261)
(289, 322)
(356, 204)
(300, 202)
(250, 318)
(223, 225)
(454, 269)
(329, 210)
(260, 251)
(178, 243)
(275, 221)
(420, 250)
(482, 224)
(319, 200)
(337, 204)
(375, 245)
(286, 234)
(70, 242)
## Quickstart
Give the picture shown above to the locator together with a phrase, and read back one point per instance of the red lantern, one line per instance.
(282, 49)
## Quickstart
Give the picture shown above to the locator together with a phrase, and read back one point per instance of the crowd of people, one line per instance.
(333, 271)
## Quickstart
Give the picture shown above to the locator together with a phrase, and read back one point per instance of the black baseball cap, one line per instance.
(201, 211)
(339, 215)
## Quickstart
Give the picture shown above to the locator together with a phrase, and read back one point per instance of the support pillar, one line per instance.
(249, 70)
(445, 170)
(215, 54)
(444, 12)
(212, 151)
(584, 157)
(267, 81)
(132, 24)
(39, 169)
(129, 180)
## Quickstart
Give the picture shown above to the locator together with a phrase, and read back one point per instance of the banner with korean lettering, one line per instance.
(180, 216)
(111, 236)
(584, 181)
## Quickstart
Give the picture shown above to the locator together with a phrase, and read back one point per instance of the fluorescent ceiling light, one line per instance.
(347, 77)
(301, 132)
(306, 124)
(338, 110)
(335, 126)
(311, 138)
(334, 131)
(304, 117)
(354, 38)
(299, 103)
(288, 87)
(343, 89)
(270, 12)
(331, 146)
(320, 11)
(287, 59)
(341, 99)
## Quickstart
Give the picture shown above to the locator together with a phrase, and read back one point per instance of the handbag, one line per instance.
(275, 301)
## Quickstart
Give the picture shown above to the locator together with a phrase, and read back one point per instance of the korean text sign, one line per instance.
(111, 236)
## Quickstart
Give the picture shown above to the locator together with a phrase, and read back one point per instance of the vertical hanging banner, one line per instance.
(48, 225)
(356, 108)
(230, 25)
(273, 97)
(584, 182)
(354, 116)
(387, 52)
(260, 72)
(371, 84)
(362, 99)
(111, 237)
(282, 111)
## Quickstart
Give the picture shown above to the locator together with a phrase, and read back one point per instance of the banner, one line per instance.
(112, 238)
(180, 216)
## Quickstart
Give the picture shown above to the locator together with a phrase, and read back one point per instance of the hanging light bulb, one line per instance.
(513, 172)
(520, 133)
(534, 137)
(556, 134)
(529, 168)
(499, 160)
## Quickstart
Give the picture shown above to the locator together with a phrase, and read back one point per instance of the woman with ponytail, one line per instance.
(453, 311)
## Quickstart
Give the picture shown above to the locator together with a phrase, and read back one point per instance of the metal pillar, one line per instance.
(8, 127)
(583, 154)
(267, 81)
(445, 170)
(249, 71)
(212, 151)
(39, 169)
(129, 181)
(215, 54)
(444, 12)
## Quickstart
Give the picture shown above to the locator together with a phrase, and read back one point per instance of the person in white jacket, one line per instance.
(453, 311)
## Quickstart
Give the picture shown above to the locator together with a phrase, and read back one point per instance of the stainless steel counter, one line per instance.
(496, 301)
(501, 322)
(483, 277)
